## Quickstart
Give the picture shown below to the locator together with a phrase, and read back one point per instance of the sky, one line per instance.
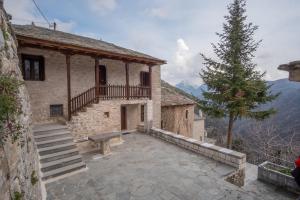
(174, 30)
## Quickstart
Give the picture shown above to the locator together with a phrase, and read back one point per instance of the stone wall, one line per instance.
(269, 172)
(199, 129)
(95, 120)
(53, 90)
(174, 119)
(18, 161)
(223, 155)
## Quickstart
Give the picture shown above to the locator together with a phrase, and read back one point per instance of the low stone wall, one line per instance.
(223, 155)
(269, 172)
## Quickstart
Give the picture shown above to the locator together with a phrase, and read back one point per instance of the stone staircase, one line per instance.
(58, 153)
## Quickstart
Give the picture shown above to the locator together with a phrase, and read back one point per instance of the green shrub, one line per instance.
(34, 178)
(9, 108)
(17, 196)
(286, 171)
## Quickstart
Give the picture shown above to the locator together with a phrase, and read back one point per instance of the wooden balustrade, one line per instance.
(107, 92)
(83, 99)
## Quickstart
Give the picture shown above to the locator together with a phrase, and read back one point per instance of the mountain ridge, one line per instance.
(287, 118)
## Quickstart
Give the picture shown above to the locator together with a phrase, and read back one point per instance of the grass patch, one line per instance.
(286, 171)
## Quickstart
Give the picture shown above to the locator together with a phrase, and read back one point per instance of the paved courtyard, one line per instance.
(147, 168)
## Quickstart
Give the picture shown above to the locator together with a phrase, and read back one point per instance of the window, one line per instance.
(106, 114)
(186, 114)
(33, 68)
(145, 79)
(56, 110)
(142, 113)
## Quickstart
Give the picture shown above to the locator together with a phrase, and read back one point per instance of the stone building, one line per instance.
(178, 113)
(81, 87)
(65, 72)
(294, 70)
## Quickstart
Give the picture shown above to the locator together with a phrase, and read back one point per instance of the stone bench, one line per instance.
(102, 141)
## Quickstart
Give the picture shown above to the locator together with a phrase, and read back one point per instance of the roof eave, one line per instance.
(23, 39)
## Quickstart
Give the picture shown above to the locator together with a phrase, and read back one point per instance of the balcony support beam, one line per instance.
(68, 63)
(127, 79)
(150, 81)
(97, 76)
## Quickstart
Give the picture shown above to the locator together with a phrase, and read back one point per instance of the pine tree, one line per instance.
(235, 87)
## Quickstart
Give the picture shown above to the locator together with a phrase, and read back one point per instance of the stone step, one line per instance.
(56, 148)
(60, 163)
(47, 127)
(53, 142)
(45, 132)
(52, 133)
(52, 136)
(63, 170)
(58, 155)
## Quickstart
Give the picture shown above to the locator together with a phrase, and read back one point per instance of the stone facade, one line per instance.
(178, 119)
(105, 117)
(53, 90)
(18, 161)
(199, 129)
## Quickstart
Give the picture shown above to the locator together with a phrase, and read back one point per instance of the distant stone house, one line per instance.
(91, 85)
(294, 70)
(178, 114)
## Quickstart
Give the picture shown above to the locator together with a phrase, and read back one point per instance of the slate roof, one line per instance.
(60, 37)
(170, 96)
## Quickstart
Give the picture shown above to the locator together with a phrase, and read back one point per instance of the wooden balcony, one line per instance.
(108, 92)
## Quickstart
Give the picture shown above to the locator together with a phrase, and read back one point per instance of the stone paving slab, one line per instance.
(146, 168)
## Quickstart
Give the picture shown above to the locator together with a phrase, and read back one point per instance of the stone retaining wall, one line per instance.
(19, 170)
(223, 155)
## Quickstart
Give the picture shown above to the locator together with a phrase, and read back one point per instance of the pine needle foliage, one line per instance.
(235, 87)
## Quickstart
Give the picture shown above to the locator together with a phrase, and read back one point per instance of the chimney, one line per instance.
(200, 113)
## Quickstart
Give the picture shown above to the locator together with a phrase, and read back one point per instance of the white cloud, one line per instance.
(102, 6)
(158, 12)
(185, 65)
(24, 12)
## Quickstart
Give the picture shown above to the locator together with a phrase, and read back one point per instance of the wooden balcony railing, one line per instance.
(107, 92)
(83, 99)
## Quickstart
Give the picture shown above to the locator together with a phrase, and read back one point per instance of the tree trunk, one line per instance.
(229, 131)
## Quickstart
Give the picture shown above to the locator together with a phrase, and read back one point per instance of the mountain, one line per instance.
(191, 89)
(287, 118)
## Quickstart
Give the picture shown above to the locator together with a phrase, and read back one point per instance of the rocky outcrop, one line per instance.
(18, 161)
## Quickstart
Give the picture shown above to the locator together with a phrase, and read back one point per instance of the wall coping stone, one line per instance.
(224, 150)
(228, 154)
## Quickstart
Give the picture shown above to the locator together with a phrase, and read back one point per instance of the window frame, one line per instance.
(145, 79)
(32, 59)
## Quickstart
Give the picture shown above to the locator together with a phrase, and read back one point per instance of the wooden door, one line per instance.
(102, 79)
(123, 118)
